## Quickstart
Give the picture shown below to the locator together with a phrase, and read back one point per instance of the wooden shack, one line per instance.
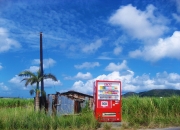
(70, 102)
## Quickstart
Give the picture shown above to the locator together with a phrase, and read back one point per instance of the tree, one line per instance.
(31, 78)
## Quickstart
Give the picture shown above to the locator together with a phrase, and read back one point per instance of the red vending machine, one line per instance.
(107, 101)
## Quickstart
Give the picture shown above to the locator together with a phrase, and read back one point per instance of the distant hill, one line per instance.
(130, 94)
(155, 93)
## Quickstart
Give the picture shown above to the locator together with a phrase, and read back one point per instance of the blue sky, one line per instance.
(135, 41)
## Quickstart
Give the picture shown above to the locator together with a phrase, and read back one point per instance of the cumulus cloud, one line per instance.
(132, 83)
(3, 87)
(93, 47)
(117, 67)
(83, 76)
(46, 62)
(87, 65)
(168, 47)
(33, 68)
(139, 24)
(80, 86)
(49, 62)
(88, 86)
(16, 80)
(36, 64)
(50, 83)
(80, 75)
(7, 43)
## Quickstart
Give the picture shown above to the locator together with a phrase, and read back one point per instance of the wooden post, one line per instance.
(43, 94)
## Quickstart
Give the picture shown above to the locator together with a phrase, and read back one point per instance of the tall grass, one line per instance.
(136, 112)
(151, 112)
(15, 102)
(26, 118)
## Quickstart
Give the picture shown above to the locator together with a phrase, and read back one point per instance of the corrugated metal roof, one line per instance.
(75, 92)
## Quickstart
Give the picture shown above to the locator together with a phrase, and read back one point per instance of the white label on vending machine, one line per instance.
(104, 103)
(108, 90)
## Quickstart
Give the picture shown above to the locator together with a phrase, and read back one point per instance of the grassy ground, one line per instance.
(151, 112)
(26, 118)
(137, 113)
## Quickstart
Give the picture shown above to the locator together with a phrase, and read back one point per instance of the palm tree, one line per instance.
(31, 79)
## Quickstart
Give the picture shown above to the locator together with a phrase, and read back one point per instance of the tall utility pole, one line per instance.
(43, 94)
(41, 64)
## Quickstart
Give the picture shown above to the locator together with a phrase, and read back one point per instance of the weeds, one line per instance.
(136, 113)
(151, 112)
(27, 118)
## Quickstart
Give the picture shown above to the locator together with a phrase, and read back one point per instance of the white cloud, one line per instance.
(87, 65)
(168, 47)
(93, 47)
(49, 62)
(123, 39)
(176, 16)
(132, 83)
(88, 86)
(84, 88)
(7, 43)
(80, 75)
(118, 67)
(104, 58)
(33, 69)
(3, 87)
(36, 61)
(1, 66)
(46, 62)
(117, 50)
(50, 83)
(83, 76)
(16, 80)
(139, 24)
(68, 78)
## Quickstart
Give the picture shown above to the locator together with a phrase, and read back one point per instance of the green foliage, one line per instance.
(86, 108)
(15, 102)
(151, 112)
(155, 93)
(160, 93)
(30, 78)
(27, 118)
(137, 113)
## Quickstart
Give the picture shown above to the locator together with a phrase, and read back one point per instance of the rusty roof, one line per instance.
(75, 92)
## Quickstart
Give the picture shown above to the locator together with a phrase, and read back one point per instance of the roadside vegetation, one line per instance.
(21, 117)
(137, 113)
(151, 112)
(30, 78)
